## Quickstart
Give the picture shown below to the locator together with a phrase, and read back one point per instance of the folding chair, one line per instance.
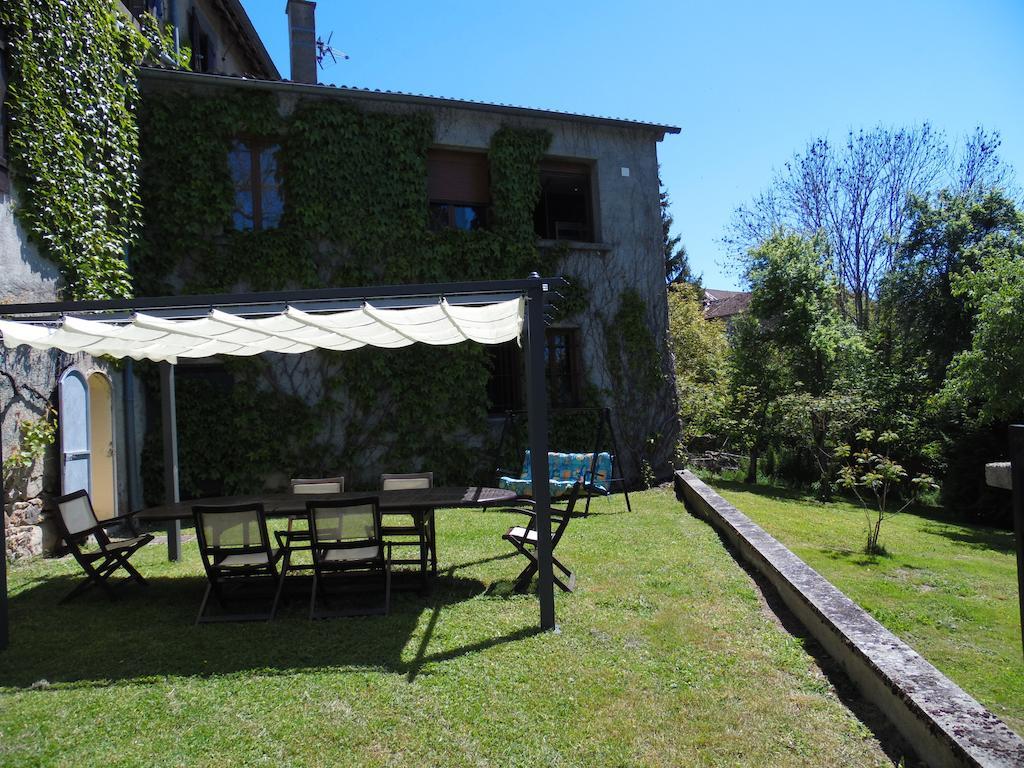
(236, 552)
(313, 485)
(524, 539)
(76, 521)
(417, 527)
(347, 546)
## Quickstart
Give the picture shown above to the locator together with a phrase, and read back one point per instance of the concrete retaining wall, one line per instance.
(944, 725)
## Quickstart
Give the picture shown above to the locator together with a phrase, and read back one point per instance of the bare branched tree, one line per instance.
(856, 196)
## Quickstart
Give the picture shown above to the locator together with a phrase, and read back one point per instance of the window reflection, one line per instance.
(258, 200)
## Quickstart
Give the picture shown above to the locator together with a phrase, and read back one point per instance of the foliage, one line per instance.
(160, 40)
(336, 165)
(990, 371)
(758, 376)
(875, 479)
(802, 362)
(700, 352)
(677, 261)
(35, 436)
(855, 195)
(635, 365)
(73, 136)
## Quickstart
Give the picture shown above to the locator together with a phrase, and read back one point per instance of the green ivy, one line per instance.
(356, 213)
(73, 136)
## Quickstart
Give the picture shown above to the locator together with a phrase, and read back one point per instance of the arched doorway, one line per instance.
(86, 424)
(103, 470)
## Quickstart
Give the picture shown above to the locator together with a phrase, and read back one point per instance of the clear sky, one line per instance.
(748, 82)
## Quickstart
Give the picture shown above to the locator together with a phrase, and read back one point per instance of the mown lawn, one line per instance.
(948, 589)
(665, 658)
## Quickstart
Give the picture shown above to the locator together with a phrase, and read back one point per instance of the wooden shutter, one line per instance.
(458, 177)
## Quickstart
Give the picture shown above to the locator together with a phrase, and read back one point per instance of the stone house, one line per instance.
(89, 397)
(272, 206)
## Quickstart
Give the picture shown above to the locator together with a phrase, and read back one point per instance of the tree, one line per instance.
(795, 302)
(700, 352)
(677, 262)
(758, 376)
(855, 195)
(991, 371)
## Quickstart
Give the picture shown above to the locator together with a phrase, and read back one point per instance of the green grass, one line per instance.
(665, 657)
(946, 588)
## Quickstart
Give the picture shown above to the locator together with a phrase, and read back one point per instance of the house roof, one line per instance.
(248, 37)
(371, 94)
(724, 304)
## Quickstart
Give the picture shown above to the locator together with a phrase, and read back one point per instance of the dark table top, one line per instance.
(280, 504)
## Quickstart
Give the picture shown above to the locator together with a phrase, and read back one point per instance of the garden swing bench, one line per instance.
(596, 468)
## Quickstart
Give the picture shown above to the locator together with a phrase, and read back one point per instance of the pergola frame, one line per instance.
(535, 289)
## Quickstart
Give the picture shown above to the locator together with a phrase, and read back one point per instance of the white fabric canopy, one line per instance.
(291, 331)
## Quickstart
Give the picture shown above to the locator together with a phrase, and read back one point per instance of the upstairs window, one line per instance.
(564, 209)
(258, 202)
(204, 58)
(459, 189)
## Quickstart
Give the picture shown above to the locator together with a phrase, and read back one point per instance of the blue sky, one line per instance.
(748, 82)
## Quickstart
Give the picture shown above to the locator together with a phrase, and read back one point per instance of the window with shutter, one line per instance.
(458, 188)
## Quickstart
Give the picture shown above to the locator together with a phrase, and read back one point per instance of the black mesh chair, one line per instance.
(524, 539)
(348, 553)
(238, 557)
(77, 521)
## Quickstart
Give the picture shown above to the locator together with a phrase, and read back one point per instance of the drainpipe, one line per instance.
(174, 25)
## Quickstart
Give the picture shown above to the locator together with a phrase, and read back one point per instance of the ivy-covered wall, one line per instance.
(356, 213)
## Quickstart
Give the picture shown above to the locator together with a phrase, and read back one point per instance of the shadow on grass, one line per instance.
(149, 633)
(975, 537)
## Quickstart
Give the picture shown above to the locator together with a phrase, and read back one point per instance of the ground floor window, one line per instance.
(506, 387)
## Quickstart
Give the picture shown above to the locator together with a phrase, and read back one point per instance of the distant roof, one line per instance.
(375, 94)
(723, 304)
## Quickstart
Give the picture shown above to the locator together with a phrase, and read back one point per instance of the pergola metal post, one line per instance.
(170, 427)
(537, 414)
(1017, 482)
(4, 622)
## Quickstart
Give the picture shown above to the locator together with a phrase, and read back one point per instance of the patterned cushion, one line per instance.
(563, 470)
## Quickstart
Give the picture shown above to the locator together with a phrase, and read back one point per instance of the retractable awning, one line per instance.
(166, 329)
(291, 330)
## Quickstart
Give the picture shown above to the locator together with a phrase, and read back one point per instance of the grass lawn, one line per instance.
(948, 589)
(665, 658)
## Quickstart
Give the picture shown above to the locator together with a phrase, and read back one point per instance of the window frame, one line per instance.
(448, 158)
(256, 146)
(574, 365)
(554, 168)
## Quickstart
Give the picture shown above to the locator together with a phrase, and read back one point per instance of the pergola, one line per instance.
(165, 329)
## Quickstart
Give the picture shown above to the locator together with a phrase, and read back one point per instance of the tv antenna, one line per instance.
(325, 51)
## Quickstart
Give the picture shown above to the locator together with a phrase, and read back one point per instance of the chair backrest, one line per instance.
(401, 482)
(76, 513)
(561, 517)
(230, 529)
(343, 524)
(319, 485)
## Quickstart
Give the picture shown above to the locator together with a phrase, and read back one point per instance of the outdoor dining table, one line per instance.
(418, 502)
(414, 500)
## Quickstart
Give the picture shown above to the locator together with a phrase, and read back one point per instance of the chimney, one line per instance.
(302, 40)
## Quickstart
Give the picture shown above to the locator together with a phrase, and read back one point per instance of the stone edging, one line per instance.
(944, 725)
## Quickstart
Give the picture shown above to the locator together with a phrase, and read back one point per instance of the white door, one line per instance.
(73, 421)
